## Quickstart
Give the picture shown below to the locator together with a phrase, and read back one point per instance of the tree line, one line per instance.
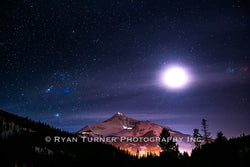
(28, 147)
(209, 152)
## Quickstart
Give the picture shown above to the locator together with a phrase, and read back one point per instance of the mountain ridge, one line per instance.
(119, 125)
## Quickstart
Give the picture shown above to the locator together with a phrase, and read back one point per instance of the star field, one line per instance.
(73, 63)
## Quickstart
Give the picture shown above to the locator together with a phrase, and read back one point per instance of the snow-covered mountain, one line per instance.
(121, 126)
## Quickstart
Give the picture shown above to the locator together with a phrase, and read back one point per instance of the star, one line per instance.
(49, 89)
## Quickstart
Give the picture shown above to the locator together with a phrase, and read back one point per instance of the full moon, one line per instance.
(175, 77)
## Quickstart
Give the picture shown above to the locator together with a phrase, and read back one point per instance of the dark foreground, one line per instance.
(22, 143)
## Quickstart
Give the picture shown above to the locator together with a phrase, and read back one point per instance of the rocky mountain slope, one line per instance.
(121, 126)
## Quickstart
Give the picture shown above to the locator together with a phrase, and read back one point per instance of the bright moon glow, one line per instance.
(175, 77)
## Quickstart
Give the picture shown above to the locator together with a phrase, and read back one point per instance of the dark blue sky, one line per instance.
(73, 63)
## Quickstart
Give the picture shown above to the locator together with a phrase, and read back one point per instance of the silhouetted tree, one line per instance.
(168, 146)
(196, 136)
(205, 130)
(220, 137)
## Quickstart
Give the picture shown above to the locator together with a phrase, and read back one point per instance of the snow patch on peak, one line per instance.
(127, 127)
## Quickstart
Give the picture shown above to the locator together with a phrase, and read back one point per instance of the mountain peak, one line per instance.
(120, 125)
(119, 117)
(119, 113)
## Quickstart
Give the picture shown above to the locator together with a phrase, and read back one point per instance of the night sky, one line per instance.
(74, 63)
